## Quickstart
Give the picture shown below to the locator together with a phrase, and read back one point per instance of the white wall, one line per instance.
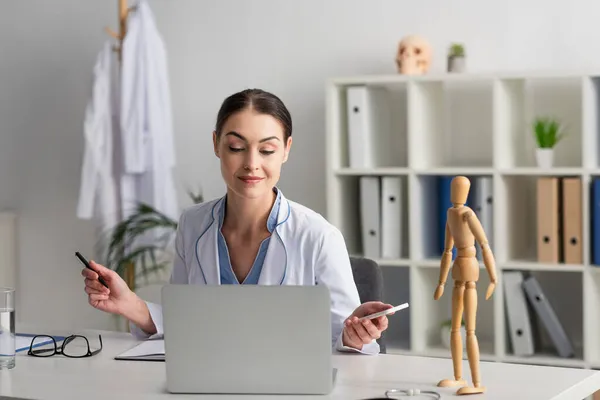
(218, 47)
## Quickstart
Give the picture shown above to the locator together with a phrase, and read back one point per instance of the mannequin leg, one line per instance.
(472, 343)
(455, 338)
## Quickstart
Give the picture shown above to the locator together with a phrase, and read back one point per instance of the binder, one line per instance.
(370, 209)
(369, 127)
(391, 217)
(595, 222)
(481, 197)
(517, 314)
(572, 220)
(444, 203)
(548, 225)
(548, 317)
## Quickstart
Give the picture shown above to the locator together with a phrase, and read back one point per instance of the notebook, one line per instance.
(149, 350)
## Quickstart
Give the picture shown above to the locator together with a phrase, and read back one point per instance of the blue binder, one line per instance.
(444, 204)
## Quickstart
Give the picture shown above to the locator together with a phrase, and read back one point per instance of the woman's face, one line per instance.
(251, 149)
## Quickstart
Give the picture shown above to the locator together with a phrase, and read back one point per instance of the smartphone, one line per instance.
(87, 264)
(385, 312)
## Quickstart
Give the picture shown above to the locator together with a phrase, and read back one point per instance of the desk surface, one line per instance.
(359, 377)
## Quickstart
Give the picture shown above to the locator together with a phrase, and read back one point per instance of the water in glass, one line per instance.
(8, 341)
(7, 338)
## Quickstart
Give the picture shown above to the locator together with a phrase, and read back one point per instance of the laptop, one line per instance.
(250, 339)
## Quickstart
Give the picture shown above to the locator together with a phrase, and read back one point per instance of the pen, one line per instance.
(87, 264)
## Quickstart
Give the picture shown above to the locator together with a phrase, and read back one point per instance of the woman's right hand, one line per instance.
(116, 298)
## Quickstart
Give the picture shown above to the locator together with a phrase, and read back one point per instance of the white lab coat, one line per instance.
(98, 193)
(129, 150)
(305, 249)
(146, 120)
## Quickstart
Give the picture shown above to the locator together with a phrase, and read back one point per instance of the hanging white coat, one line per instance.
(129, 151)
(98, 193)
(146, 120)
(305, 250)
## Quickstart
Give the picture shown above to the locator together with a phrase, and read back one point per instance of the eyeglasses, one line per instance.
(74, 346)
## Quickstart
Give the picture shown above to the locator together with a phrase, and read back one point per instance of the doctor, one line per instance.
(253, 234)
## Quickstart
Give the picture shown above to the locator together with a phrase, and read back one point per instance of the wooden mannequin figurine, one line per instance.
(462, 229)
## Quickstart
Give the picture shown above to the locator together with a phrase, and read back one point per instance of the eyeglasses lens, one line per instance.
(75, 347)
(43, 346)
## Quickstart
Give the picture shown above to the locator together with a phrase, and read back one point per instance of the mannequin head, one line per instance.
(459, 190)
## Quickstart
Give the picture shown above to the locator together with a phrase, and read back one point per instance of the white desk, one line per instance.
(359, 377)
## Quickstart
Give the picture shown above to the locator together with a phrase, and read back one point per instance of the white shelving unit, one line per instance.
(473, 125)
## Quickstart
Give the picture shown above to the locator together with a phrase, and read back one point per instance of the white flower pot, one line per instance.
(445, 336)
(456, 64)
(544, 157)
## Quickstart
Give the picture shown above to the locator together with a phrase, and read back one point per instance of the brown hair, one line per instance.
(260, 101)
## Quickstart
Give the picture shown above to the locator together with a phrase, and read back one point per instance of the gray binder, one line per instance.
(517, 314)
(483, 208)
(548, 317)
(370, 209)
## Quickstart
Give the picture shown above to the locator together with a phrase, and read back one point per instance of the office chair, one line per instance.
(369, 282)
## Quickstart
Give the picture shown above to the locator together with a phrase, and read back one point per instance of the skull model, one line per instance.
(414, 56)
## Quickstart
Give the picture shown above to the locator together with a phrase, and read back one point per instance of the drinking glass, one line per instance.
(8, 341)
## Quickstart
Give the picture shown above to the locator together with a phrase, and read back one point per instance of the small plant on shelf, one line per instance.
(548, 132)
(456, 58)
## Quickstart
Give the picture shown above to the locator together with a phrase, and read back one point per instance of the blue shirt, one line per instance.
(227, 275)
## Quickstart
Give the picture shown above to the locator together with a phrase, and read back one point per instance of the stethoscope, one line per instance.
(213, 221)
(395, 393)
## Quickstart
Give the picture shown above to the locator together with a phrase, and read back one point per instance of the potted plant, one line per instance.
(456, 58)
(445, 331)
(129, 251)
(548, 132)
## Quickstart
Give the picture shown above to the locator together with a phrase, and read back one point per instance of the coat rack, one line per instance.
(124, 11)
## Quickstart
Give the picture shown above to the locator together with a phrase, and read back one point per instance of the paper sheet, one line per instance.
(147, 350)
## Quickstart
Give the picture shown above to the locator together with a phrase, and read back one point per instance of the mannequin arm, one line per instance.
(488, 257)
(446, 256)
(445, 263)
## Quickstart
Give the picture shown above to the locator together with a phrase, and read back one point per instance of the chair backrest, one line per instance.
(369, 282)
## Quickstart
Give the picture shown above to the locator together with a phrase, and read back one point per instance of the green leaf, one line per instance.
(456, 50)
(548, 132)
(122, 246)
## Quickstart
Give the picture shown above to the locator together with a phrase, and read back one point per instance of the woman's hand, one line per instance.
(115, 299)
(358, 333)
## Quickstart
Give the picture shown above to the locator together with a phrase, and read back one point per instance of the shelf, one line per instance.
(568, 310)
(434, 312)
(520, 204)
(365, 232)
(375, 120)
(432, 200)
(372, 171)
(528, 265)
(425, 130)
(444, 117)
(518, 102)
(591, 284)
(535, 171)
(396, 290)
(447, 171)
